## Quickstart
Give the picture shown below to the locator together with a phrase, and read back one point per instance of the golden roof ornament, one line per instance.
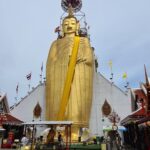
(70, 10)
(76, 5)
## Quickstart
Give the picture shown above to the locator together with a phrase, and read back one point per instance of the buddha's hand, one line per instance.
(84, 60)
(79, 60)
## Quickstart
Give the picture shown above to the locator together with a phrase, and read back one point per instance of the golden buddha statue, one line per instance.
(78, 103)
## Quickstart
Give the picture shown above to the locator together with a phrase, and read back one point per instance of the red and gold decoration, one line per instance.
(114, 118)
(106, 109)
(37, 111)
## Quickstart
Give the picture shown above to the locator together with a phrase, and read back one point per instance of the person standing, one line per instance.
(24, 140)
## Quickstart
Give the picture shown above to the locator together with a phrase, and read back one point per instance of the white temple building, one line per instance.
(103, 89)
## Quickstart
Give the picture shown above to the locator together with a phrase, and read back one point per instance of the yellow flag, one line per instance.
(110, 63)
(124, 75)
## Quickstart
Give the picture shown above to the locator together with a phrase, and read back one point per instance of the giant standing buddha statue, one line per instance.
(69, 73)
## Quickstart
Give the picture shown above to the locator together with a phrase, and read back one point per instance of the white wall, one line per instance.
(103, 89)
(24, 110)
(119, 101)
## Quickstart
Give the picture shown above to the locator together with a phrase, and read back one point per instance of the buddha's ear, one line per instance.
(78, 28)
(61, 31)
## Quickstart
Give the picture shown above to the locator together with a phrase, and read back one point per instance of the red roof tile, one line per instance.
(140, 112)
(140, 94)
(9, 119)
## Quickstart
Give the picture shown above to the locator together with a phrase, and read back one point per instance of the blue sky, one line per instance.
(119, 29)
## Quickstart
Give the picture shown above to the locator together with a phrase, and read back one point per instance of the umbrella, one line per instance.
(107, 128)
(1, 128)
(119, 128)
(122, 128)
(45, 132)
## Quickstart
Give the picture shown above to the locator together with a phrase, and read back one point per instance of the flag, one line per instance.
(110, 64)
(85, 23)
(42, 68)
(57, 29)
(28, 76)
(124, 76)
(17, 87)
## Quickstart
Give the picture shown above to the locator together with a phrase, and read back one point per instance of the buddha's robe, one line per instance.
(80, 99)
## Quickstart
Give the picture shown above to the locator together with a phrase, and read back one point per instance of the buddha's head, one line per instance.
(70, 26)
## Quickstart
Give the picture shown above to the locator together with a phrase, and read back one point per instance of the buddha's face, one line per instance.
(69, 25)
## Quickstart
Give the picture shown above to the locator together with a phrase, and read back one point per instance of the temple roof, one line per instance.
(9, 119)
(134, 116)
(3, 99)
(28, 94)
(140, 112)
(141, 96)
(140, 93)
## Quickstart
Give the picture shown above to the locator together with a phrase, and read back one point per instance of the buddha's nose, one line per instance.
(69, 25)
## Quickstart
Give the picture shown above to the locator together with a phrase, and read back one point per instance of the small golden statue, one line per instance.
(51, 135)
(77, 105)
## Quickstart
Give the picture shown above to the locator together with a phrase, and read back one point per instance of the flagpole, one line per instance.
(126, 81)
(17, 88)
(29, 79)
(41, 75)
(111, 71)
(29, 85)
(16, 96)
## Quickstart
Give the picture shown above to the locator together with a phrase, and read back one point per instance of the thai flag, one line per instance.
(29, 76)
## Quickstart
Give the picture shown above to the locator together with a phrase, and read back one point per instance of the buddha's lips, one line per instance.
(69, 28)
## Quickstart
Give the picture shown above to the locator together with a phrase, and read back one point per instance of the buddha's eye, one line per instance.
(66, 23)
